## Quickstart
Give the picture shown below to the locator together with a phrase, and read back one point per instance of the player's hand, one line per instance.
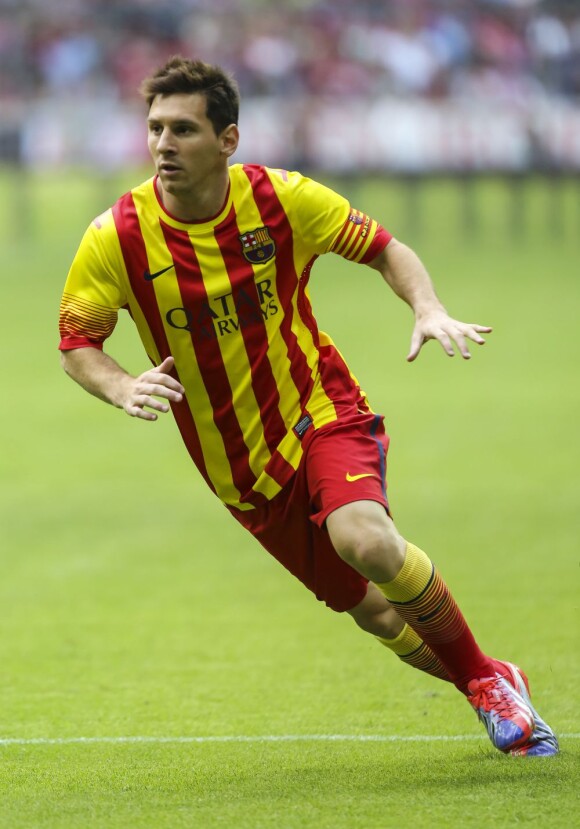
(143, 391)
(450, 333)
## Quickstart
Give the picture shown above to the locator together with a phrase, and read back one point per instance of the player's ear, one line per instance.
(229, 139)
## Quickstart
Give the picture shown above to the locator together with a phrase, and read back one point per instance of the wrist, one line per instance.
(428, 308)
(119, 390)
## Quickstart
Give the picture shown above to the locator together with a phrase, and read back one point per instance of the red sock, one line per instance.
(422, 599)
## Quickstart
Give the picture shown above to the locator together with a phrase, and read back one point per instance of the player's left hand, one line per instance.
(438, 325)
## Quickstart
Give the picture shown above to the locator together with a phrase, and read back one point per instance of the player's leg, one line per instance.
(345, 469)
(292, 528)
(377, 616)
(346, 480)
(365, 536)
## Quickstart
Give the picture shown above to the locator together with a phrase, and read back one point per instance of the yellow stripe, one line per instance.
(354, 253)
(234, 355)
(359, 244)
(411, 579)
(320, 406)
(351, 231)
(169, 296)
(405, 643)
(367, 240)
(344, 239)
(289, 403)
(137, 314)
(348, 252)
(267, 486)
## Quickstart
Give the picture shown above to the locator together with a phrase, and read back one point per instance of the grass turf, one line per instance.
(130, 607)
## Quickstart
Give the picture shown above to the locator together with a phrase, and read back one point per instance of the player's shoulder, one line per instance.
(99, 233)
(105, 224)
(261, 172)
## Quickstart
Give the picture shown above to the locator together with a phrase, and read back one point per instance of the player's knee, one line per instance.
(371, 548)
(365, 546)
(365, 537)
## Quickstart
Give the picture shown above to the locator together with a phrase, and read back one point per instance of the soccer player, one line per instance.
(212, 261)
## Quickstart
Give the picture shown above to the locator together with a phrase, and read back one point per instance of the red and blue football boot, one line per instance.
(542, 742)
(507, 717)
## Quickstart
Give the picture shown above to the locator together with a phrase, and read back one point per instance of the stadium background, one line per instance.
(377, 84)
(457, 125)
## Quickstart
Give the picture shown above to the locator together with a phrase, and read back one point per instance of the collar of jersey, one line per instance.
(191, 227)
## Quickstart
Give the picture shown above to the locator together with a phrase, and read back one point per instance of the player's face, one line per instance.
(183, 144)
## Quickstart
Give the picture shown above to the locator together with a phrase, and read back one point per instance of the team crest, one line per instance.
(257, 245)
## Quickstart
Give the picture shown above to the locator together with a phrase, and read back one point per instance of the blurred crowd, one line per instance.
(515, 51)
(322, 47)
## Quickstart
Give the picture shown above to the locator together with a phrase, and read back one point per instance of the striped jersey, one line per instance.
(228, 299)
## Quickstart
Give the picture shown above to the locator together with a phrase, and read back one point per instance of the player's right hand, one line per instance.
(143, 391)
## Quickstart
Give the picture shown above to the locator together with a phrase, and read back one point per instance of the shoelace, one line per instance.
(491, 694)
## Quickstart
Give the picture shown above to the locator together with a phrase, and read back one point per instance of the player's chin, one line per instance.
(173, 179)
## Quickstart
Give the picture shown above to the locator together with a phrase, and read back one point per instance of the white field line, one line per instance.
(264, 738)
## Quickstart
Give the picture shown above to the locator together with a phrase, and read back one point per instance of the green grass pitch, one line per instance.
(132, 607)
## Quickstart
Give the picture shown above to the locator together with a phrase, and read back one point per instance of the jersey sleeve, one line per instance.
(93, 292)
(360, 238)
(330, 225)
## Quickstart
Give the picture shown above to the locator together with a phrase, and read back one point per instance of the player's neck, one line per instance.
(197, 204)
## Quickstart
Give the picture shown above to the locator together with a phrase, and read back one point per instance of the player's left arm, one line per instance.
(404, 272)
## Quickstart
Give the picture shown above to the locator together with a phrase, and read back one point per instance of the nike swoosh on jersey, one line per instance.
(149, 276)
(350, 477)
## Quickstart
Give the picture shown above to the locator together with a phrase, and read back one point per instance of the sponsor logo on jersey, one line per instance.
(218, 316)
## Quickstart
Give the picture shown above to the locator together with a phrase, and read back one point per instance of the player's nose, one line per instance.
(165, 143)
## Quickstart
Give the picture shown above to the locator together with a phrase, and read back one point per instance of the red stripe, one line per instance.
(247, 303)
(338, 383)
(276, 221)
(279, 469)
(380, 241)
(135, 257)
(345, 238)
(70, 343)
(211, 366)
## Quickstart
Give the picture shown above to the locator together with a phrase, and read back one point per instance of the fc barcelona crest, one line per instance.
(257, 245)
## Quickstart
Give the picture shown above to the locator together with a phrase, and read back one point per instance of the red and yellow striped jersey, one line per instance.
(228, 299)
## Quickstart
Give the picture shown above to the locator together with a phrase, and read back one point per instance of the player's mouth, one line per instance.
(169, 168)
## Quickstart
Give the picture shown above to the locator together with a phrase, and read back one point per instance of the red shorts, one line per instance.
(344, 461)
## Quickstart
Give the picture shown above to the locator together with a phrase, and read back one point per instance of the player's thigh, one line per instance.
(283, 527)
(345, 462)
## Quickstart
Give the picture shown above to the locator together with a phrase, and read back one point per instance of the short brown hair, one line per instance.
(180, 76)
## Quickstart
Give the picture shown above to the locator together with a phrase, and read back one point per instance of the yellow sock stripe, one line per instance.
(412, 579)
(423, 659)
(423, 600)
(410, 648)
(406, 642)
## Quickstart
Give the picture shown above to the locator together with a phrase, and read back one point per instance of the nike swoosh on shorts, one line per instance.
(350, 477)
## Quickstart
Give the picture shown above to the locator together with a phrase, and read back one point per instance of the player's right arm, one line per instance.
(101, 376)
(93, 294)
